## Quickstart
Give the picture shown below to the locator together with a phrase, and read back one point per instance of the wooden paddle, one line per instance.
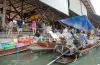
(56, 59)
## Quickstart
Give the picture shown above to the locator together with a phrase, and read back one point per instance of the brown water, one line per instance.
(26, 58)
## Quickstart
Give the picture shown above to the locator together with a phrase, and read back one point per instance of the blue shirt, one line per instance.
(19, 23)
(83, 38)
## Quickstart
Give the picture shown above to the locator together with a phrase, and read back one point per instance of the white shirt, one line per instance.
(49, 28)
(65, 30)
(10, 24)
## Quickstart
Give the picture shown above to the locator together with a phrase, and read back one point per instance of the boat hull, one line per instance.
(12, 51)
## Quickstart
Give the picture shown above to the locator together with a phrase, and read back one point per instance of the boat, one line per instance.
(12, 51)
(88, 50)
(11, 48)
(42, 46)
(66, 59)
(82, 52)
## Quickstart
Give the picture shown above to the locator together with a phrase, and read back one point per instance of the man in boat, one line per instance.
(71, 48)
(82, 40)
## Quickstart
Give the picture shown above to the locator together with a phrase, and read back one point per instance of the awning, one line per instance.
(79, 22)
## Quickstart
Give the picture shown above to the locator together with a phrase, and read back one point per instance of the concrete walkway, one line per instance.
(3, 35)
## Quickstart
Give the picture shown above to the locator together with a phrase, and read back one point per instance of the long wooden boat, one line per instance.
(66, 59)
(82, 52)
(14, 50)
(42, 46)
(89, 49)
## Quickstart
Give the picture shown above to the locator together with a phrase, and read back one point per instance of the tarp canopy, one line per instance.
(79, 22)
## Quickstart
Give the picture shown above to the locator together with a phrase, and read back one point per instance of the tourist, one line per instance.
(34, 27)
(19, 26)
(10, 27)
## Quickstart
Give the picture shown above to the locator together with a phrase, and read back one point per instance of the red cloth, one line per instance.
(28, 41)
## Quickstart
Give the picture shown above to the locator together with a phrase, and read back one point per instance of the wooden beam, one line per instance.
(14, 8)
(22, 2)
(14, 16)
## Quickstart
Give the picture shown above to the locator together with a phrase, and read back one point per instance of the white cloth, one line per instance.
(54, 35)
(65, 30)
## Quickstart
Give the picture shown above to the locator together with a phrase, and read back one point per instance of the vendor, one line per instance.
(10, 27)
(91, 35)
(79, 40)
(71, 47)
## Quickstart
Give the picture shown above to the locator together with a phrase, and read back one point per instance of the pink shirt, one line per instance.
(33, 25)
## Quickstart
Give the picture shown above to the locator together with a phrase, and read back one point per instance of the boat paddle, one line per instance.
(56, 59)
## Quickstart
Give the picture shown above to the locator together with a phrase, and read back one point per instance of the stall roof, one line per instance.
(28, 5)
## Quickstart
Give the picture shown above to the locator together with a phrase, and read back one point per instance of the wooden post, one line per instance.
(4, 14)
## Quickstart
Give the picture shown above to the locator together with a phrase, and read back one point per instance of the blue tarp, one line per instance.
(79, 22)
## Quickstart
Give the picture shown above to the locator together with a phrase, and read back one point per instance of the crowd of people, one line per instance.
(75, 39)
(35, 25)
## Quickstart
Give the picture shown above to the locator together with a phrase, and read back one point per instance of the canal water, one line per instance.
(27, 58)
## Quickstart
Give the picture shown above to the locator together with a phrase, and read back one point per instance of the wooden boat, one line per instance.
(42, 46)
(12, 51)
(88, 49)
(82, 52)
(66, 59)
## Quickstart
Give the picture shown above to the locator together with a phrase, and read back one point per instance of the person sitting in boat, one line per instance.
(70, 45)
(77, 41)
(83, 39)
